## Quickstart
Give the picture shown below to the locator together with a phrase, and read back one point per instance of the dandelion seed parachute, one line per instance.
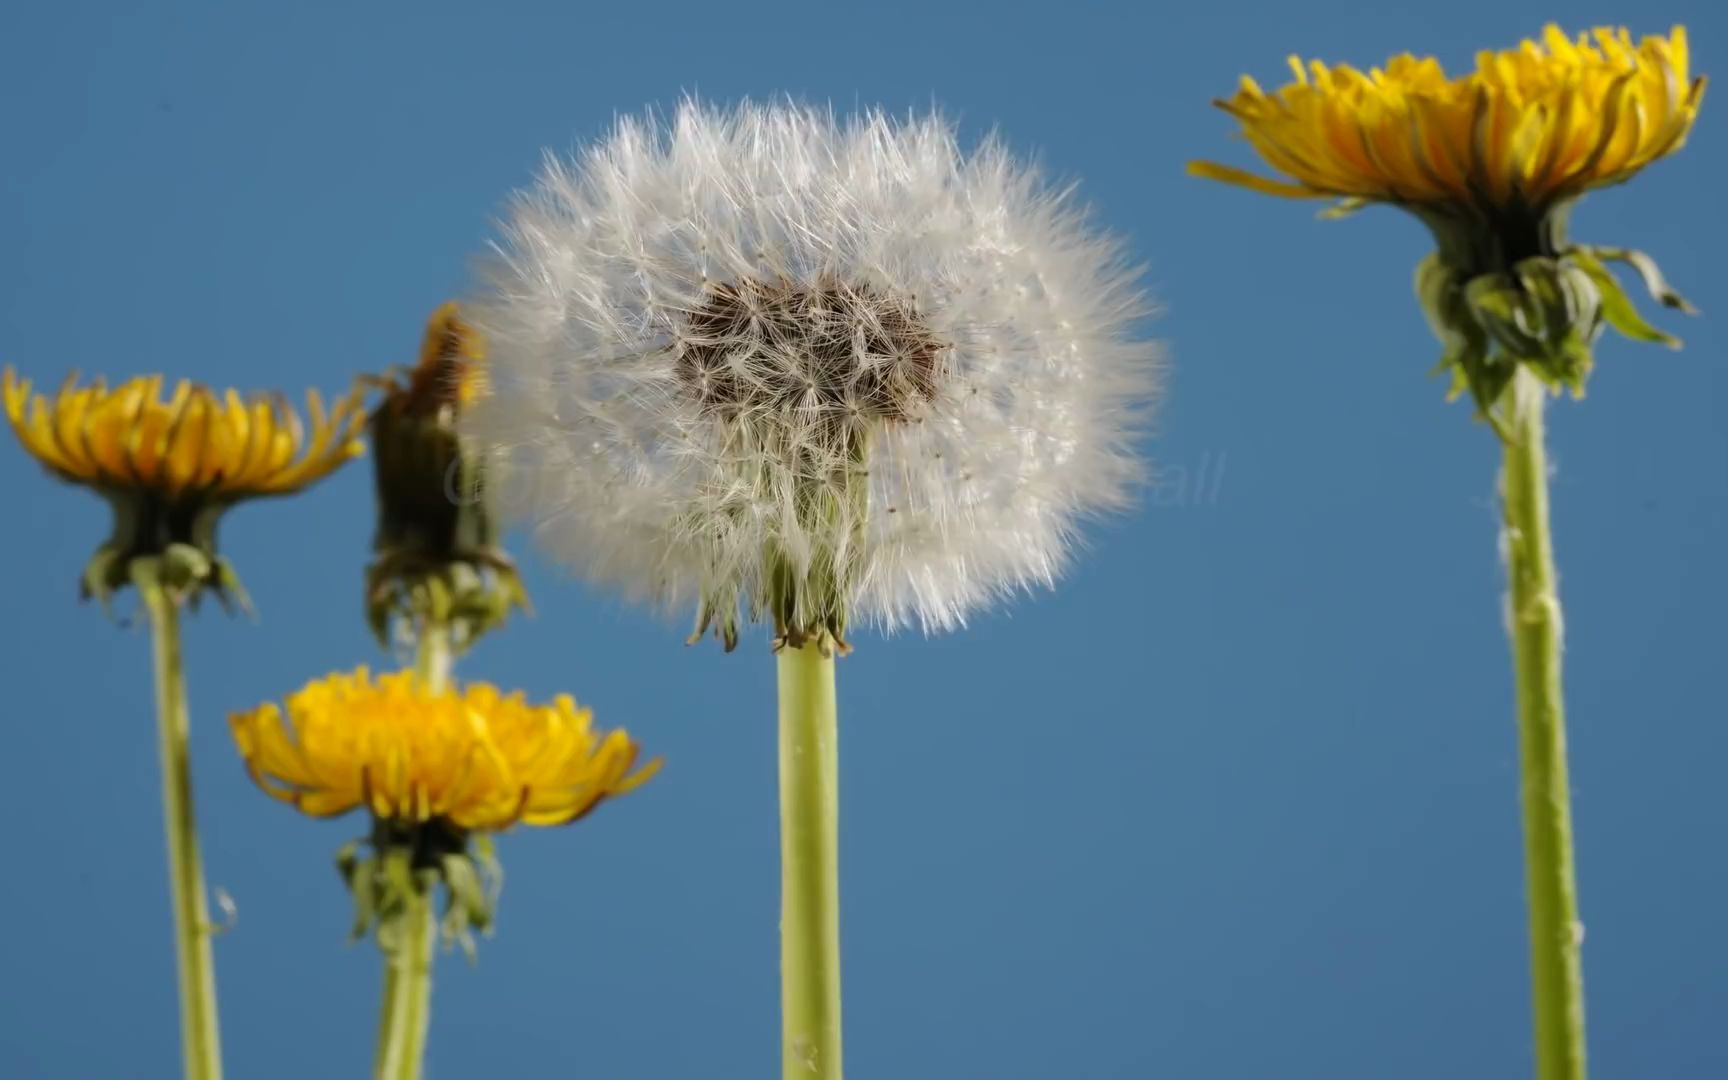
(696, 322)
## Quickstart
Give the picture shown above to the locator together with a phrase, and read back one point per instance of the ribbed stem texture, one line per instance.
(1556, 967)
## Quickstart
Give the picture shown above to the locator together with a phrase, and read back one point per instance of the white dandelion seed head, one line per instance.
(760, 349)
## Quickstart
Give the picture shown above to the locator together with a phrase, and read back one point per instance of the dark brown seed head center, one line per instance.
(831, 349)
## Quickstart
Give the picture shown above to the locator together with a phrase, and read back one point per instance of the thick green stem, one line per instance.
(200, 1044)
(1557, 977)
(809, 864)
(406, 1013)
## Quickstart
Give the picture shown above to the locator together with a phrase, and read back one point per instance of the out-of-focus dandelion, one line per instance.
(169, 468)
(438, 570)
(438, 768)
(439, 771)
(1493, 162)
(767, 363)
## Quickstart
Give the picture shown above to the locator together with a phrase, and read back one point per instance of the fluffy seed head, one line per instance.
(815, 368)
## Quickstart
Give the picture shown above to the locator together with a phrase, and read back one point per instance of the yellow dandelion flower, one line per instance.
(171, 464)
(473, 758)
(1492, 162)
(1530, 127)
(195, 444)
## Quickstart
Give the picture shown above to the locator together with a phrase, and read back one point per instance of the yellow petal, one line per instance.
(1214, 171)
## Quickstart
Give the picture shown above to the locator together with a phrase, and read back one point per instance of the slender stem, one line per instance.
(390, 1005)
(200, 1044)
(809, 865)
(407, 1008)
(1557, 977)
(432, 656)
(406, 1013)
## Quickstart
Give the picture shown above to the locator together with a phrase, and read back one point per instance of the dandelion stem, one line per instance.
(809, 864)
(407, 1010)
(1557, 977)
(200, 1044)
(387, 1010)
(407, 990)
(432, 654)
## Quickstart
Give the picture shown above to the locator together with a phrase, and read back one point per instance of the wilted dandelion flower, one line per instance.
(819, 369)
(433, 767)
(1492, 161)
(170, 466)
(437, 548)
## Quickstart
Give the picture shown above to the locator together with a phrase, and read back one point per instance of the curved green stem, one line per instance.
(406, 1013)
(809, 864)
(200, 1044)
(1557, 977)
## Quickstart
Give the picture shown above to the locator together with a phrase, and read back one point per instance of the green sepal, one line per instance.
(230, 593)
(173, 545)
(1545, 314)
(1566, 306)
(466, 905)
(1651, 274)
(400, 862)
(360, 878)
(105, 574)
(1618, 308)
(472, 592)
(1466, 353)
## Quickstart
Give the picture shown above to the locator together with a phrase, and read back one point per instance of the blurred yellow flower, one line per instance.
(475, 758)
(1529, 128)
(170, 467)
(196, 444)
(451, 371)
(437, 544)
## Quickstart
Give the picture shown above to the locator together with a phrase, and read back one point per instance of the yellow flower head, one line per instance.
(1529, 128)
(1492, 162)
(195, 444)
(169, 467)
(474, 758)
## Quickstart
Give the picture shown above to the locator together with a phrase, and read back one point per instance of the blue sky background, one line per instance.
(1238, 800)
